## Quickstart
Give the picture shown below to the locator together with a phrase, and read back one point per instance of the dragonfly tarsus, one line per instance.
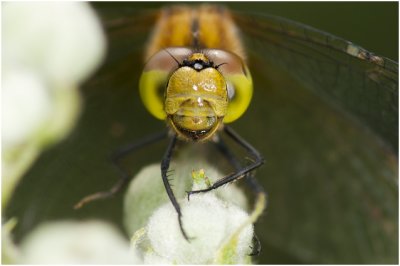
(256, 248)
(240, 171)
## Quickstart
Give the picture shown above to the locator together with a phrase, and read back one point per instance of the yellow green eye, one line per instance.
(238, 79)
(151, 87)
(242, 86)
(154, 78)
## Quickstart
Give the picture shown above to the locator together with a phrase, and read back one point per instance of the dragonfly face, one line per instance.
(196, 92)
(196, 98)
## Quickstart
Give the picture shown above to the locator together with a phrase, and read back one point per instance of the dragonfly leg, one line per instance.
(240, 171)
(164, 170)
(257, 246)
(124, 174)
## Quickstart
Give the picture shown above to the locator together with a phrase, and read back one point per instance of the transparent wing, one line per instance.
(332, 185)
(126, 28)
(353, 79)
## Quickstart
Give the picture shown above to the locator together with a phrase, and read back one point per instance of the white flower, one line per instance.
(26, 104)
(68, 242)
(209, 223)
(146, 192)
(48, 49)
(219, 228)
(46, 46)
(62, 41)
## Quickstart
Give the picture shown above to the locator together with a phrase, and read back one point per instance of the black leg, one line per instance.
(164, 170)
(124, 174)
(241, 171)
(257, 246)
(250, 180)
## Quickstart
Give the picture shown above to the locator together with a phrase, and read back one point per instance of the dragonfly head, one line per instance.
(195, 92)
(196, 99)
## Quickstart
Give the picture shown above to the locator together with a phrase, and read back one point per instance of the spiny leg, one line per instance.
(228, 154)
(164, 170)
(124, 174)
(250, 179)
(249, 175)
(241, 171)
(257, 189)
(257, 246)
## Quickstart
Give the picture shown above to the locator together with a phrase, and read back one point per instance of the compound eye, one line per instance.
(241, 86)
(238, 79)
(155, 76)
(151, 87)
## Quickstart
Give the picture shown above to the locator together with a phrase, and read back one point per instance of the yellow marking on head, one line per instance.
(196, 102)
(187, 83)
(198, 56)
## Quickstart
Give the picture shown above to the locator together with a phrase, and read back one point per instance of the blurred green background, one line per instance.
(332, 184)
(372, 25)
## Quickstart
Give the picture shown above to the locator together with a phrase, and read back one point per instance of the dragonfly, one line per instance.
(329, 66)
(197, 80)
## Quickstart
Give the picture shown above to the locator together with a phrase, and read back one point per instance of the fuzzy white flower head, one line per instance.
(48, 49)
(62, 41)
(26, 104)
(68, 242)
(208, 221)
(219, 230)
(45, 46)
(146, 192)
